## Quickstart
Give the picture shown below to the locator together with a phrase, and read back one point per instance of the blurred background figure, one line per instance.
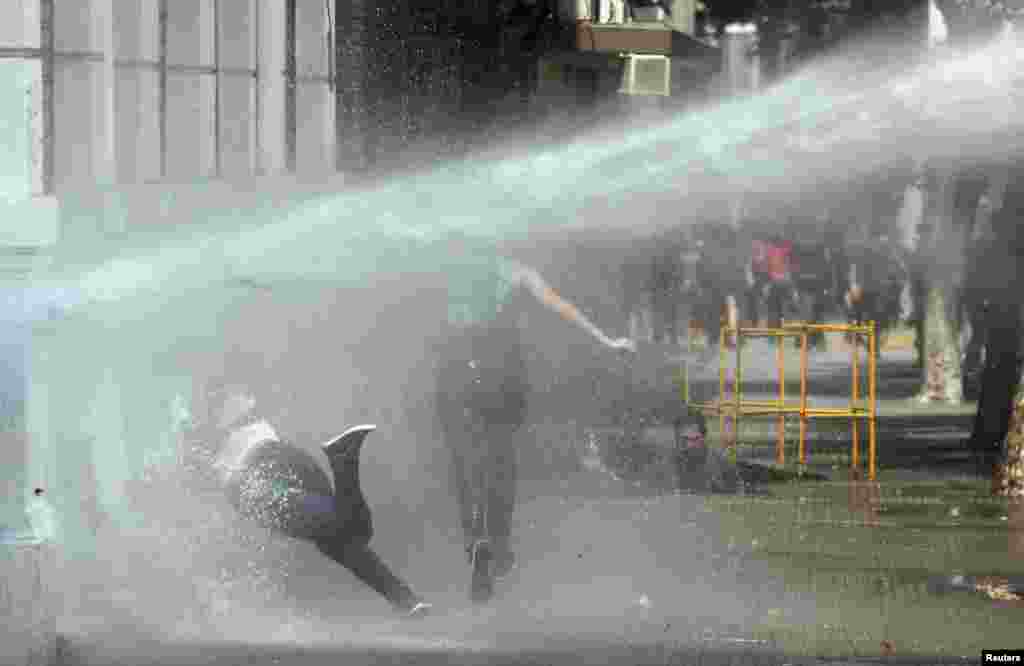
(722, 280)
(771, 266)
(877, 276)
(666, 284)
(812, 280)
(638, 288)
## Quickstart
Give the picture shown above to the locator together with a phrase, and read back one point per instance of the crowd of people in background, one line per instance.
(685, 283)
(692, 279)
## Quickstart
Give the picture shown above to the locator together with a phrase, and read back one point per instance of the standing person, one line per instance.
(638, 290)
(812, 279)
(876, 279)
(771, 259)
(666, 287)
(838, 264)
(689, 264)
(722, 277)
(481, 394)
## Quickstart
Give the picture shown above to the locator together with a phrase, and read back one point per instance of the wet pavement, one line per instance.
(919, 568)
(604, 575)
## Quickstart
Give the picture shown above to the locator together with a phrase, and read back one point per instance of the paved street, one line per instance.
(608, 573)
(603, 578)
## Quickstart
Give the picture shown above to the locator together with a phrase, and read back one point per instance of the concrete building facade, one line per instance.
(120, 115)
(125, 113)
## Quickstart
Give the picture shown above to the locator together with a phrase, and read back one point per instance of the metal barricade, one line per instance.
(733, 407)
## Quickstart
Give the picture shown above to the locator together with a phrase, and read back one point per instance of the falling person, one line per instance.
(305, 493)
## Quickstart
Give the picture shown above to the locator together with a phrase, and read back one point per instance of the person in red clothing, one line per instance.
(772, 268)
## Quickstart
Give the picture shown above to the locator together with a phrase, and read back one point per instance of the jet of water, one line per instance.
(829, 123)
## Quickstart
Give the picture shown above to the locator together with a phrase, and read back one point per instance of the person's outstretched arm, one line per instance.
(542, 291)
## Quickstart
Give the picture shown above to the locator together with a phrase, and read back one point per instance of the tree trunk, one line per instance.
(1008, 475)
(994, 438)
(943, 248)
(999, 382)
(999, 422)
(942, 382)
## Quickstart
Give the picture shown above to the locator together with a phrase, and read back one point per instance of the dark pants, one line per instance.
(814, 291)
(711, 310)
(879, 304)
(366, 565)
(484, 472)
(665, 306)
(691, 464)
(768, 299)
(481, 407)
(282, 488)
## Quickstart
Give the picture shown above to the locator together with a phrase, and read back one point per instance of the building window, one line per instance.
(313, 86)
(79, 105)
(181, 85)
(137, 82)
(191, 90)
(236, 107)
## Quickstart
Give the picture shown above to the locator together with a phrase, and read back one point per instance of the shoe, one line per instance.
(481, 587)
(420, 609)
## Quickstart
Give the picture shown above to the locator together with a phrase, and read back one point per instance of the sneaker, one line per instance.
(420, 609)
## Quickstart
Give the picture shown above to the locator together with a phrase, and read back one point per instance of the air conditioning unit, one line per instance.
(646, 75)
(570, 11)
(648, 14)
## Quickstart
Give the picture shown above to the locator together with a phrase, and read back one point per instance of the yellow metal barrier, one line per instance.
(735, 407)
